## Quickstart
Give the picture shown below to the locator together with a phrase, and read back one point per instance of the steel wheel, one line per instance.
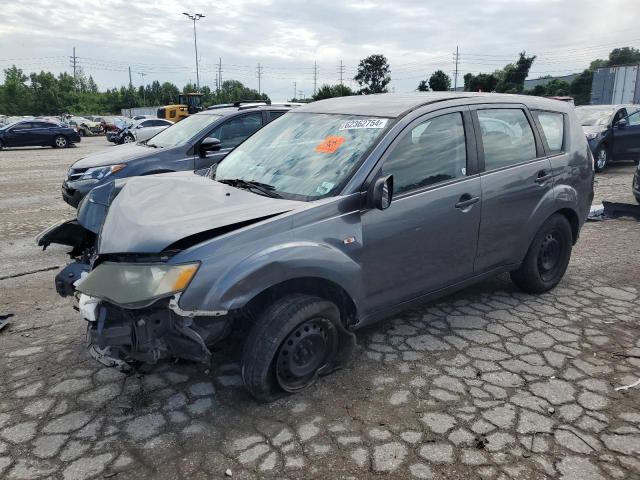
(60, 141)
(549, 256)
(310, 346)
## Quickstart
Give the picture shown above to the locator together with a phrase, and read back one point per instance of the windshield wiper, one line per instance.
(263, 188)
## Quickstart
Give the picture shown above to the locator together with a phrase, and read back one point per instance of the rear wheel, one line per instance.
(294, 340)
(60, 141)
(547, 258)
(1, 145)
(601, 158)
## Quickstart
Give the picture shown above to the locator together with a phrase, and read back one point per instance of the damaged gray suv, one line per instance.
(336, 215)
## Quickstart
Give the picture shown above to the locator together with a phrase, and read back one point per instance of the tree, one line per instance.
(330, 91)
(580, 88)
(373, 75)
(423, 86)
(483, 82)
(439, 81)
(624, 56)
(512, 76)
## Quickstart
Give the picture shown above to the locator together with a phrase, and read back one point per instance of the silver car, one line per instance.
(143, 129)
(334, 216)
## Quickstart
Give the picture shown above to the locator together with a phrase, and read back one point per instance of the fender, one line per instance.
(246, 279)
(560, 197)
(546, 207)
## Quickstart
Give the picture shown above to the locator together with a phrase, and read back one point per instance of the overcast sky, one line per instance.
(286, 37)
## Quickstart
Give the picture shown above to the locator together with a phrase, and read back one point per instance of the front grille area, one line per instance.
(75, 173)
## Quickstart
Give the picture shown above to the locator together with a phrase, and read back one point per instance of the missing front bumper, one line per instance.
(120, 337)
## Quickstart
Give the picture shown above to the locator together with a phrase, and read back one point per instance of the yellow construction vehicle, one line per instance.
(188, 104)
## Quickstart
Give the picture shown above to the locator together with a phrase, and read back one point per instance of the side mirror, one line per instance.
(622, 123)
(209, 145)
(381, 193)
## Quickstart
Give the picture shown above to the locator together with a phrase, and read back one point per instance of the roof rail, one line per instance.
(240, 102)
(220, 105)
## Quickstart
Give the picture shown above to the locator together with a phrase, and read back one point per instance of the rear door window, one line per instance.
(431, 152)
(507, 137)
(234, 131)
(552, 124)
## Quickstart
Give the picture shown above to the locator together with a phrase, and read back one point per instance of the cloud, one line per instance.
(286, 37)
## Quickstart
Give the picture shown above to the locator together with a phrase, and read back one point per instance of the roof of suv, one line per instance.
(394, 105)
(229, 109)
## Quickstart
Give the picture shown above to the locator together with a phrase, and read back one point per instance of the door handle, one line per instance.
(466, 200)
(542, 177)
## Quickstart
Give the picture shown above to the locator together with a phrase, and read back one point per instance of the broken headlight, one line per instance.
(130, 284)
(98, 173)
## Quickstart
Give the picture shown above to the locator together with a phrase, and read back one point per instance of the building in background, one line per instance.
(544, 81)
(616, 85)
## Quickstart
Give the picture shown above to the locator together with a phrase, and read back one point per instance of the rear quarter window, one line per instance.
(552, 126)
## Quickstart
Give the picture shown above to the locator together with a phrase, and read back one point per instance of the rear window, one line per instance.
(552, 124)
(507, 137)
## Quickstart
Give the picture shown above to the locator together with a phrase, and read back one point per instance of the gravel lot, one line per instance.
(489, 383)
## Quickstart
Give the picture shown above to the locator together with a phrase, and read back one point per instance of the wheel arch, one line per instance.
(572, 216)
(314, 286)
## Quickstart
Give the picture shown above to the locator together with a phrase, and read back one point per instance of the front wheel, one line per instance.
(128, 139)
(60, 141)
(547, 258)
(294, 340)
(601, 158)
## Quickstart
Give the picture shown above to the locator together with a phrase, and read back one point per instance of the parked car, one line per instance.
(141, 130)
(32, 133)
(340, 213)
(606, 129)
(194, 143)
(84, 126)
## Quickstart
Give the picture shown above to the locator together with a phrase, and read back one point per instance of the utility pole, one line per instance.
(195, 17)
(219, 82)
(455, 75)
(300, 95)
(144, 101)
(315, 77)
(130, 82)
(294, 91)
(259, 75)
(74, 62)
(341, 70)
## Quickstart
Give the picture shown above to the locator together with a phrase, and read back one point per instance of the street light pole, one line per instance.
(194, 17)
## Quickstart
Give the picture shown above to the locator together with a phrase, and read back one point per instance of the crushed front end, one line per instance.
(130, 301)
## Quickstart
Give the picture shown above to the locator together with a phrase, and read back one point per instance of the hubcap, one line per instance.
(61, 142)
(310, 346)
(549, 255)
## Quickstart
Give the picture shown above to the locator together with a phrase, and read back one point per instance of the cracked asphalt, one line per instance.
(489, 383)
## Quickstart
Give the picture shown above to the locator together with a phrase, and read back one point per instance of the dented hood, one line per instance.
(151, 213)
(118, 154)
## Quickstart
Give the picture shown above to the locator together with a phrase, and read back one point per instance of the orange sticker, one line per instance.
(330, 144)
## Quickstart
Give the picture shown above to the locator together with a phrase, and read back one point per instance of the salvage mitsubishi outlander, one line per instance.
(337, 214)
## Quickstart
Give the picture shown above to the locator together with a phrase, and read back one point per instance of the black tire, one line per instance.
(81, 132)
(128, 138)
(636, 161)
(547, 258)
(601, 158)
(637, 199)
(1, 145)
(302, 328)
(60, 141)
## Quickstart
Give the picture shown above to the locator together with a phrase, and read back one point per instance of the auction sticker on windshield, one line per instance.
(330, 144)
(364, 123)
